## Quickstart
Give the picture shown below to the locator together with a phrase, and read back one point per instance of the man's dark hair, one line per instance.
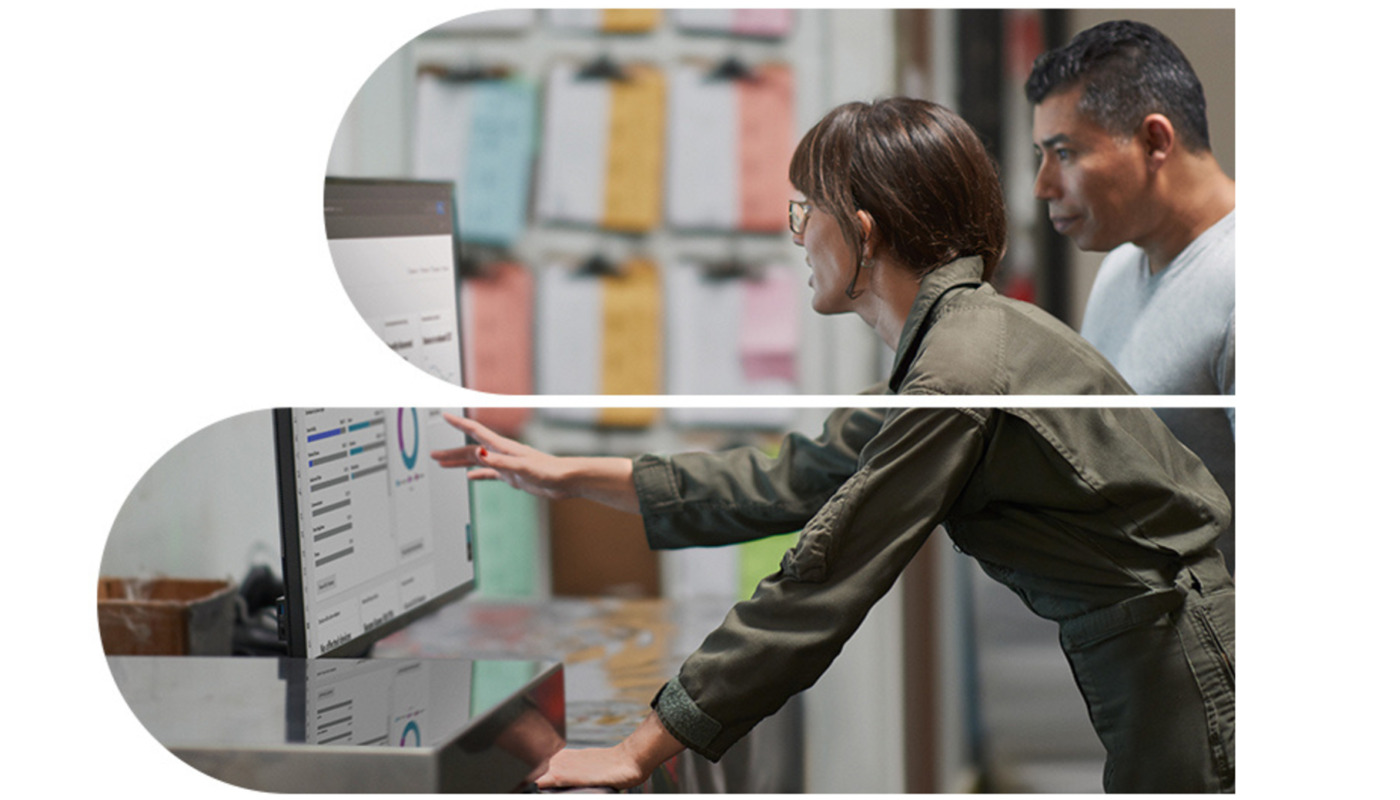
(918, 169)
(1127, 70)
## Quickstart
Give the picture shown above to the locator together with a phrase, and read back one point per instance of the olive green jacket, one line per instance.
(1074, 509)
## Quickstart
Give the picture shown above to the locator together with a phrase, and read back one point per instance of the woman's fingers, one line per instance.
(452, 458)
(466, 457)
(481, 433)
(505, 464)
(478, 456)
(499, 458)
(603, 767)
(458, 456)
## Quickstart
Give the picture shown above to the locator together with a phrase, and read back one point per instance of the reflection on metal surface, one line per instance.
(596, 723)
(332, 725)
(618, 653)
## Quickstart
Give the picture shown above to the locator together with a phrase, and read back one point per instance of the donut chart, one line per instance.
(409, 457)
(411, 728)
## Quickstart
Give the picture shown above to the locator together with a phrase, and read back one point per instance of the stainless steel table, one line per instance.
(341, 725)
(617, 653)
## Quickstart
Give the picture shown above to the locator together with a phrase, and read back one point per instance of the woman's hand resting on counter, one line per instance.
(628, 764)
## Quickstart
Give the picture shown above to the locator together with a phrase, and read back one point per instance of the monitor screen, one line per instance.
(374, 533)
(395, 251)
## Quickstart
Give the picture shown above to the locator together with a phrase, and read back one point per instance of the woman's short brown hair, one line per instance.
(918, 169)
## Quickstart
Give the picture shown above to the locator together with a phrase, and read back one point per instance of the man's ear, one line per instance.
(1159, 139)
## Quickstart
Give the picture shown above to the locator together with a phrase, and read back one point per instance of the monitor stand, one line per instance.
(344, 725)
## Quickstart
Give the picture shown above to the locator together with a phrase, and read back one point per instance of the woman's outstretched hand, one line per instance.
(496, 457)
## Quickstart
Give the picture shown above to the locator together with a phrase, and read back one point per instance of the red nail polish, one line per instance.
(481, 452)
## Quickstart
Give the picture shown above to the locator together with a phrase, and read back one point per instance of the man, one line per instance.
(1126, 167)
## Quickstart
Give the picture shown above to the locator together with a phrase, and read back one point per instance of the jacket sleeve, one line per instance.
(848, 556)
(705, 499)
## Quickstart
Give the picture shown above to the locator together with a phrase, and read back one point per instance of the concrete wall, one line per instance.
(206, 509)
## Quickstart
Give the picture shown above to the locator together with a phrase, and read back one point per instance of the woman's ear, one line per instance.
(869, 233)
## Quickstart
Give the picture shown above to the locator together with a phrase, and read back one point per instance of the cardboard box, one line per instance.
(596, 551)
(166, 616)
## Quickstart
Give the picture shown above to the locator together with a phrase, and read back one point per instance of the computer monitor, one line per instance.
(374, 533)
(394, 247)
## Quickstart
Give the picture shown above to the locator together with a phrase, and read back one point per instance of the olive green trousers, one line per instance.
(1158, 674)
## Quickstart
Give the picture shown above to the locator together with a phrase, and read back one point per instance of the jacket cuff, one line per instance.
(685, 721)
(656, 492)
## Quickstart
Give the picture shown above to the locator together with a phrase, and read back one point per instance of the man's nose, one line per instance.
(1047, 185)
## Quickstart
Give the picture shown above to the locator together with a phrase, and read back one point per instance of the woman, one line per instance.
(1098, 518)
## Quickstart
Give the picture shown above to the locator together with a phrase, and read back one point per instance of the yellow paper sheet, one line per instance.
(632, 193)
(630, 20)
(631, 351)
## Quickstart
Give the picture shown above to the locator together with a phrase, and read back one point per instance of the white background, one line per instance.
(162, 175)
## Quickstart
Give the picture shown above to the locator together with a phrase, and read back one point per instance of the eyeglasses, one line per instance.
(798, 210)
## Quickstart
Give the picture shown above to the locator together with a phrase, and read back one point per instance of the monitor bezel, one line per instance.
(458, 272)
(294, 602)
